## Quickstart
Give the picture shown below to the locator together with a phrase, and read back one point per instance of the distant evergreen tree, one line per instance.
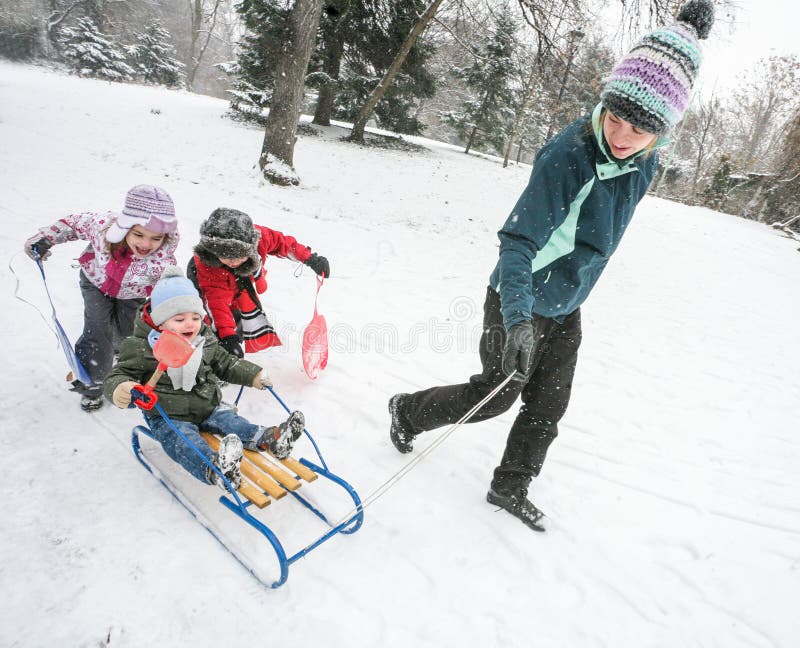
(374, 31)
(357, 42)
(326, 62)
(153, 56)
(484, 118)
(92, 53)
(265, 22)
(716, 193)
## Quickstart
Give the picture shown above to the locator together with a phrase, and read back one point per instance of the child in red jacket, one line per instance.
(228, 268)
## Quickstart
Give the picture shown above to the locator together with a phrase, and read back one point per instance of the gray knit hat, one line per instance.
(174, 294)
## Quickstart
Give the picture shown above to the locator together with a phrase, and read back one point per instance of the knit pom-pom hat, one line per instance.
(650, 86)
(174, 294)
(145, 205)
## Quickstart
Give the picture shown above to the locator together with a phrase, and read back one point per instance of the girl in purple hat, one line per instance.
(124, 258)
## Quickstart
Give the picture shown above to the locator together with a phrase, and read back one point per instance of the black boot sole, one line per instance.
(508, 505)
(401, 445)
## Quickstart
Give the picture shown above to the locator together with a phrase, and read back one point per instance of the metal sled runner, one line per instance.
(264, 479)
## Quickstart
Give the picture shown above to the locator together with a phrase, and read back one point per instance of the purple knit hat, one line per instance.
(148, 206)
(649, 87)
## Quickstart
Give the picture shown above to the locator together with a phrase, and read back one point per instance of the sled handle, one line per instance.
(144, 396)
(171, 351)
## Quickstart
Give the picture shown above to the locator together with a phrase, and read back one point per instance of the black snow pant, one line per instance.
(106, 321)
(544, 396)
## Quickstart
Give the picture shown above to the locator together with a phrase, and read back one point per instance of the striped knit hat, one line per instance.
(650, 86)
(145, 205)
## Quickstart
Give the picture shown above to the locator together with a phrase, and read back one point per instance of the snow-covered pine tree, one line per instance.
(89, 52)
(153, 56)
(374, 33)
(265, 22)
(484, 118)
(360, 37)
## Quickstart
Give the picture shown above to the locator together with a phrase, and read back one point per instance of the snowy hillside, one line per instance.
(673, 488)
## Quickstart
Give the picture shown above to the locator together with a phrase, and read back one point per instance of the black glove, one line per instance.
(42, 245)
(232, 346)
(319, 264)
(518, 350)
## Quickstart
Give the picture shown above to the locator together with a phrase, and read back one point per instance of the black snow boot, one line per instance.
(401, 433)
(91, 396)
(518, 504)
(91, 403)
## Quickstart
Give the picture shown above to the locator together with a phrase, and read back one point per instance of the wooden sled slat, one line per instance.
(300, 470)
(273, 470)
(261, 480)
(265, 482)
(253, 494)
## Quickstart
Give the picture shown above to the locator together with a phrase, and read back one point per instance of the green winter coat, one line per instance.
(136, 362)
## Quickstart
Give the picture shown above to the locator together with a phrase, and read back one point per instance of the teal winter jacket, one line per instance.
(567, 223)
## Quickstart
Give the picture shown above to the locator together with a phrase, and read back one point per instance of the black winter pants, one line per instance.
(544, 396)
(106, 320)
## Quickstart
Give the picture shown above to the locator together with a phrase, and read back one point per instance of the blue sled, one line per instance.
(239, 508)
(77, 369)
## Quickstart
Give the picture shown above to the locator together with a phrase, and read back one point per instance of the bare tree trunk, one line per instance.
(97, 11)
(52, 17)
(518, 120)
(43, 46)
(471, 138)
(196, 13)
(360, 123)
(280, 132)
(327, 93)
(478, 118)
(707, 115)
(507, 153)
(197, 23)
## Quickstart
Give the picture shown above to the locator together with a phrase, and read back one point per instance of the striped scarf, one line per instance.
(257, 331)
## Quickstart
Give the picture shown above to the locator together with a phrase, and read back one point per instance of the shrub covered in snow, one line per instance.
(91, 53)
(153, 57)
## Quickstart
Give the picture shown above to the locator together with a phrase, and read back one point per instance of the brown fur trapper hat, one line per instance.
(229, 234)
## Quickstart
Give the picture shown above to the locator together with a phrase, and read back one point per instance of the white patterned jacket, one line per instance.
(122, 275)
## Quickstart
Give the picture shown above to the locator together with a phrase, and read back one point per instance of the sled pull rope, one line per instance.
(77, 368)
(310, 438)
(381, 490)
(197, 451)
(25, 301)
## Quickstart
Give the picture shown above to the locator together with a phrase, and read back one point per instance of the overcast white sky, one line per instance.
(760, 28)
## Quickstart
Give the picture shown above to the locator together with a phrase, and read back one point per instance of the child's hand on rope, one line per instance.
(262, 381)
(42, 245)
(122, 394)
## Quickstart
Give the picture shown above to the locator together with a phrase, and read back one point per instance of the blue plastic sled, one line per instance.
(78, 370)
(241, 509)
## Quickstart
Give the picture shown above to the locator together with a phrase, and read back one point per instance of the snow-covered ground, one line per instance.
(673, 489)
